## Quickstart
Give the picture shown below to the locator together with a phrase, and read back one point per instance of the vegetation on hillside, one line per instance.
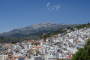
(83, 53)
(37, 35)
(70, 28)
(84, 25)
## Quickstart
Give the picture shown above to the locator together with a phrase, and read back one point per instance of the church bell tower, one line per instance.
(44, 37)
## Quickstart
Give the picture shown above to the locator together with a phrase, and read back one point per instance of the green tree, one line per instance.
(80, 55)
(88, 23)
(83, 53)
(87, 46)
(68, 28)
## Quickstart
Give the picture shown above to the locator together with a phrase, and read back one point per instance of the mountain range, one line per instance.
(35, 28)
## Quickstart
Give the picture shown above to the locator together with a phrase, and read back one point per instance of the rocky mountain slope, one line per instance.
(36, 28)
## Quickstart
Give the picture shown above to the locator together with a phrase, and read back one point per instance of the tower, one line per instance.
(44, 37)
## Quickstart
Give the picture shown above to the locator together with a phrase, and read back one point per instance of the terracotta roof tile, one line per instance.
(30, 40)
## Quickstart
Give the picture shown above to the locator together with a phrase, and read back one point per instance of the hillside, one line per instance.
(33, 32)
(36, 28)
(64, 31)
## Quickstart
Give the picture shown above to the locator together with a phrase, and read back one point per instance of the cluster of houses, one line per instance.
(57, 47)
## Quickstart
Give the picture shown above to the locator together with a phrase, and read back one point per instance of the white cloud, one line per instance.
(8, 30)
(57, 7)
(47, 4)
(53, 7)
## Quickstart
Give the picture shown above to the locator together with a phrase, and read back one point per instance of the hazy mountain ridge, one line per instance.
(36, 28)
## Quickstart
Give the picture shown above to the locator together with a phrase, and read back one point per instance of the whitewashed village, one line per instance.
(57, 47)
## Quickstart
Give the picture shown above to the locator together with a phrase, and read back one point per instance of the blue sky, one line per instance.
(21, 13)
